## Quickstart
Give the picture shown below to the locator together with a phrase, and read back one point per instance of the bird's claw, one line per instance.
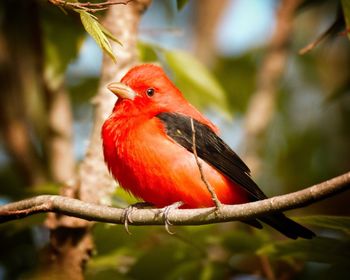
(165, 212)
(129, 210)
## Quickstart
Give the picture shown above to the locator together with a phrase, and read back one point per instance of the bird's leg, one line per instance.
(129, 210)
(165, 212)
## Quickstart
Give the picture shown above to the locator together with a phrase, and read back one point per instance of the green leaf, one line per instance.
(240, 241)
(110, 35)
(123, 197)
(330, 222)
(147, 52)
(160, 262)
(196, 82)
(13, 227)
(48, 188)
(97, 32)
(319, 249)
(62, 38)
(180, 4)
(346, 11)
(185, 270)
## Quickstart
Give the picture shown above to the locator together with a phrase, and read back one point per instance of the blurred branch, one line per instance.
(333, 29)
(262, 105)
(99, 213)
(208, 14)
(87, 6)
(21, 122)
(59, 140)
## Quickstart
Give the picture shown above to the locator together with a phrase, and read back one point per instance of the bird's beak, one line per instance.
(121, 90)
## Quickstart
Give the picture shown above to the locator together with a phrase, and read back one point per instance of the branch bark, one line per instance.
(100, 213)
(87, 6)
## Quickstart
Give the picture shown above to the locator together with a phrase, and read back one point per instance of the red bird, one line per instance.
(148, 147)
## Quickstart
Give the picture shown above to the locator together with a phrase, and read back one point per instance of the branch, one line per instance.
(262, 105)
(100, 213)
(87, 6)
(206, 183)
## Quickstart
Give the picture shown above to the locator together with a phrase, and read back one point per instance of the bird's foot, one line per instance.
(165, 212)
(129, 210)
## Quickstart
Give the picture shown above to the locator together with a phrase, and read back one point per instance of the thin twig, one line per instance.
(100, 213)
(87, 6)
(205, 181)
(319, 39)
(267, 267)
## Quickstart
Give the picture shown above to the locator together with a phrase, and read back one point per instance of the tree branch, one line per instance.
(205, 181)
(87, 6)
(262, 105)
(100, 213)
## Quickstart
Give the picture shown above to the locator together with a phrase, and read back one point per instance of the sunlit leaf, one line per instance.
(125, 197)
(97, 32)
(197, 83)
(146, 52)
(346, 11)
(48, 188)
(110, 35)
(319, 249)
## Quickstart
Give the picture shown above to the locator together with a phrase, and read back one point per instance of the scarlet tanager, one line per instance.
(148, 147)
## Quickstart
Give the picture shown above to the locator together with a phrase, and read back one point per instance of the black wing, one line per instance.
(211, 148)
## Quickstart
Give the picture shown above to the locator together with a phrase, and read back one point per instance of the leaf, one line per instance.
(346, 11)
(330, 222)
(180, 4)
(195, 80)
(124, 197)
(110, 35)
(319, 249)
(62, 38)
(48, 188)
(98, 32)
(159, 262)
(240, 241)
(147, 52)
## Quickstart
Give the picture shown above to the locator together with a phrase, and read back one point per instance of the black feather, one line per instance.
(212, 149)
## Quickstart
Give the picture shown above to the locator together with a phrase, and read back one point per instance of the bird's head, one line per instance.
(146, 89)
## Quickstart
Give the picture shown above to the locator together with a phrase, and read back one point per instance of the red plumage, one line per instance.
(145, 160)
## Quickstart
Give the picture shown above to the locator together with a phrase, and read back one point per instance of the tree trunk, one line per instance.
(71, 240)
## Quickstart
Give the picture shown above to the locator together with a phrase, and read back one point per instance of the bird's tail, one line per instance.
(287, 226)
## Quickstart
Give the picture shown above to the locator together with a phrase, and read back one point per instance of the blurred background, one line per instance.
(283, 108)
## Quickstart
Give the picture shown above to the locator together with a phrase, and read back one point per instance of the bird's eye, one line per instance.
(150, 92)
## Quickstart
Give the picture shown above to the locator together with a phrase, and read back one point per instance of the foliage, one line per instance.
(210, 252)
(98, 32)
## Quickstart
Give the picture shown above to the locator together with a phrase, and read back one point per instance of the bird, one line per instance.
(148, 146)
